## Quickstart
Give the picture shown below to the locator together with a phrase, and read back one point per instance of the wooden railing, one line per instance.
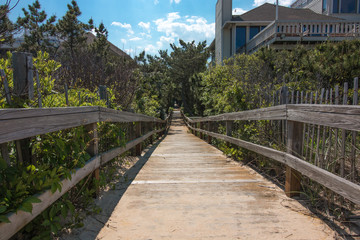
(344, 117)
(16, 124)
(293, 30)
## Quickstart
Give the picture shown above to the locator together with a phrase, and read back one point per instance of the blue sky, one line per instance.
(137, 25)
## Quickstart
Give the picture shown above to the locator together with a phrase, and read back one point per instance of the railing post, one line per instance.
(23, 89)
(229, 127)
(93, 148)
(294, 147)
(201, 127)
(137, 135)
(151, 129)
(209, 129)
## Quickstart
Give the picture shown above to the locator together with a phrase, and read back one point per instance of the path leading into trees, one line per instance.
(189, 190)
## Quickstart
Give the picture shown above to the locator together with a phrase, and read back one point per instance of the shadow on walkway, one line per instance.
(110, 199)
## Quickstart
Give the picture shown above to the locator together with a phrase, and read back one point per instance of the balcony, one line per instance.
(298, 32)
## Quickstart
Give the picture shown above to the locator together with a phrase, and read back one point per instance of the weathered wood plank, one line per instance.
(93, 148)
(271, 113)
(5, 153)
(341, 186)
(138, 133)
(17, 124)
(20, 128)
(347, 117)
(294, 147)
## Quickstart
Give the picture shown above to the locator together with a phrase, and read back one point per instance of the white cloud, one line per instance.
(281, 2)
(145, 26)
(238, 11)
(124, 25)
(123, 41)
(156, 2)
(145, 35)
(176, 1)
(129, 51)
(189, 28)
(135, 39)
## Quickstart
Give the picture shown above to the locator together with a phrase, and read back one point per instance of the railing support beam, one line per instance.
(209, 128)
(294, 147)
(93, 149)
(229, 127)
(137, 135)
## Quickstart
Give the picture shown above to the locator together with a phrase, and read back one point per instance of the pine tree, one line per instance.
(6, 26)
(38, 29)
(71, 30)
(100, 46)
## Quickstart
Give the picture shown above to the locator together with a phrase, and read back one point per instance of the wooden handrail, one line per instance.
(22, 123)
(16, 124)
(345, 117)
(338, 116)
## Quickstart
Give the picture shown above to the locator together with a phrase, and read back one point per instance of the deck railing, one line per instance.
(16, 124)
(304, 31)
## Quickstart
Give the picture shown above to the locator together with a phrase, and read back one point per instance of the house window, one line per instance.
(254, 31)
(348, 6)
(345, 6)
(240, 37)
(324, 5)
(336, 6)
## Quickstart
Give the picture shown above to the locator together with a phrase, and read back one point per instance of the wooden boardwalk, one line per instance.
(189, 190)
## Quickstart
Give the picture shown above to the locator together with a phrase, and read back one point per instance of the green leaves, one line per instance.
(27, 206)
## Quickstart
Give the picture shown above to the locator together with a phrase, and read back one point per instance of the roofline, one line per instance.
(249, 23)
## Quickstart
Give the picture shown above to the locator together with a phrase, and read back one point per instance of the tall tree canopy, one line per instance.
(38, 29)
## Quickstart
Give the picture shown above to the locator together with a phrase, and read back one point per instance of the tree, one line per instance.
(38, 29)
(100, 46)
(184, 62)
(6, 26)
(71, 30)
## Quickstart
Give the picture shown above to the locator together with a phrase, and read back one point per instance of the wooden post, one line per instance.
(229, 126)
(66, 95)
(137, 135)
(5, 153)
(354, 134)
(344, 134)
(294, 147)
(151, 128)
(23, 89)
(201, 127)
(93, 148)
(102, 92)
(6, 87)
(209, 129)
(30, 76)
(23, 75)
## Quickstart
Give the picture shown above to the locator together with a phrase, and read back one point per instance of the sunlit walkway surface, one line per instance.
(189, 190)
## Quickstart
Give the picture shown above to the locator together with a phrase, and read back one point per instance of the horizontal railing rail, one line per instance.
(344, 117)
(21, 123)
(18, 124)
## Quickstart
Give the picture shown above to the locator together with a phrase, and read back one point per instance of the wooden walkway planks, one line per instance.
(189, 190)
